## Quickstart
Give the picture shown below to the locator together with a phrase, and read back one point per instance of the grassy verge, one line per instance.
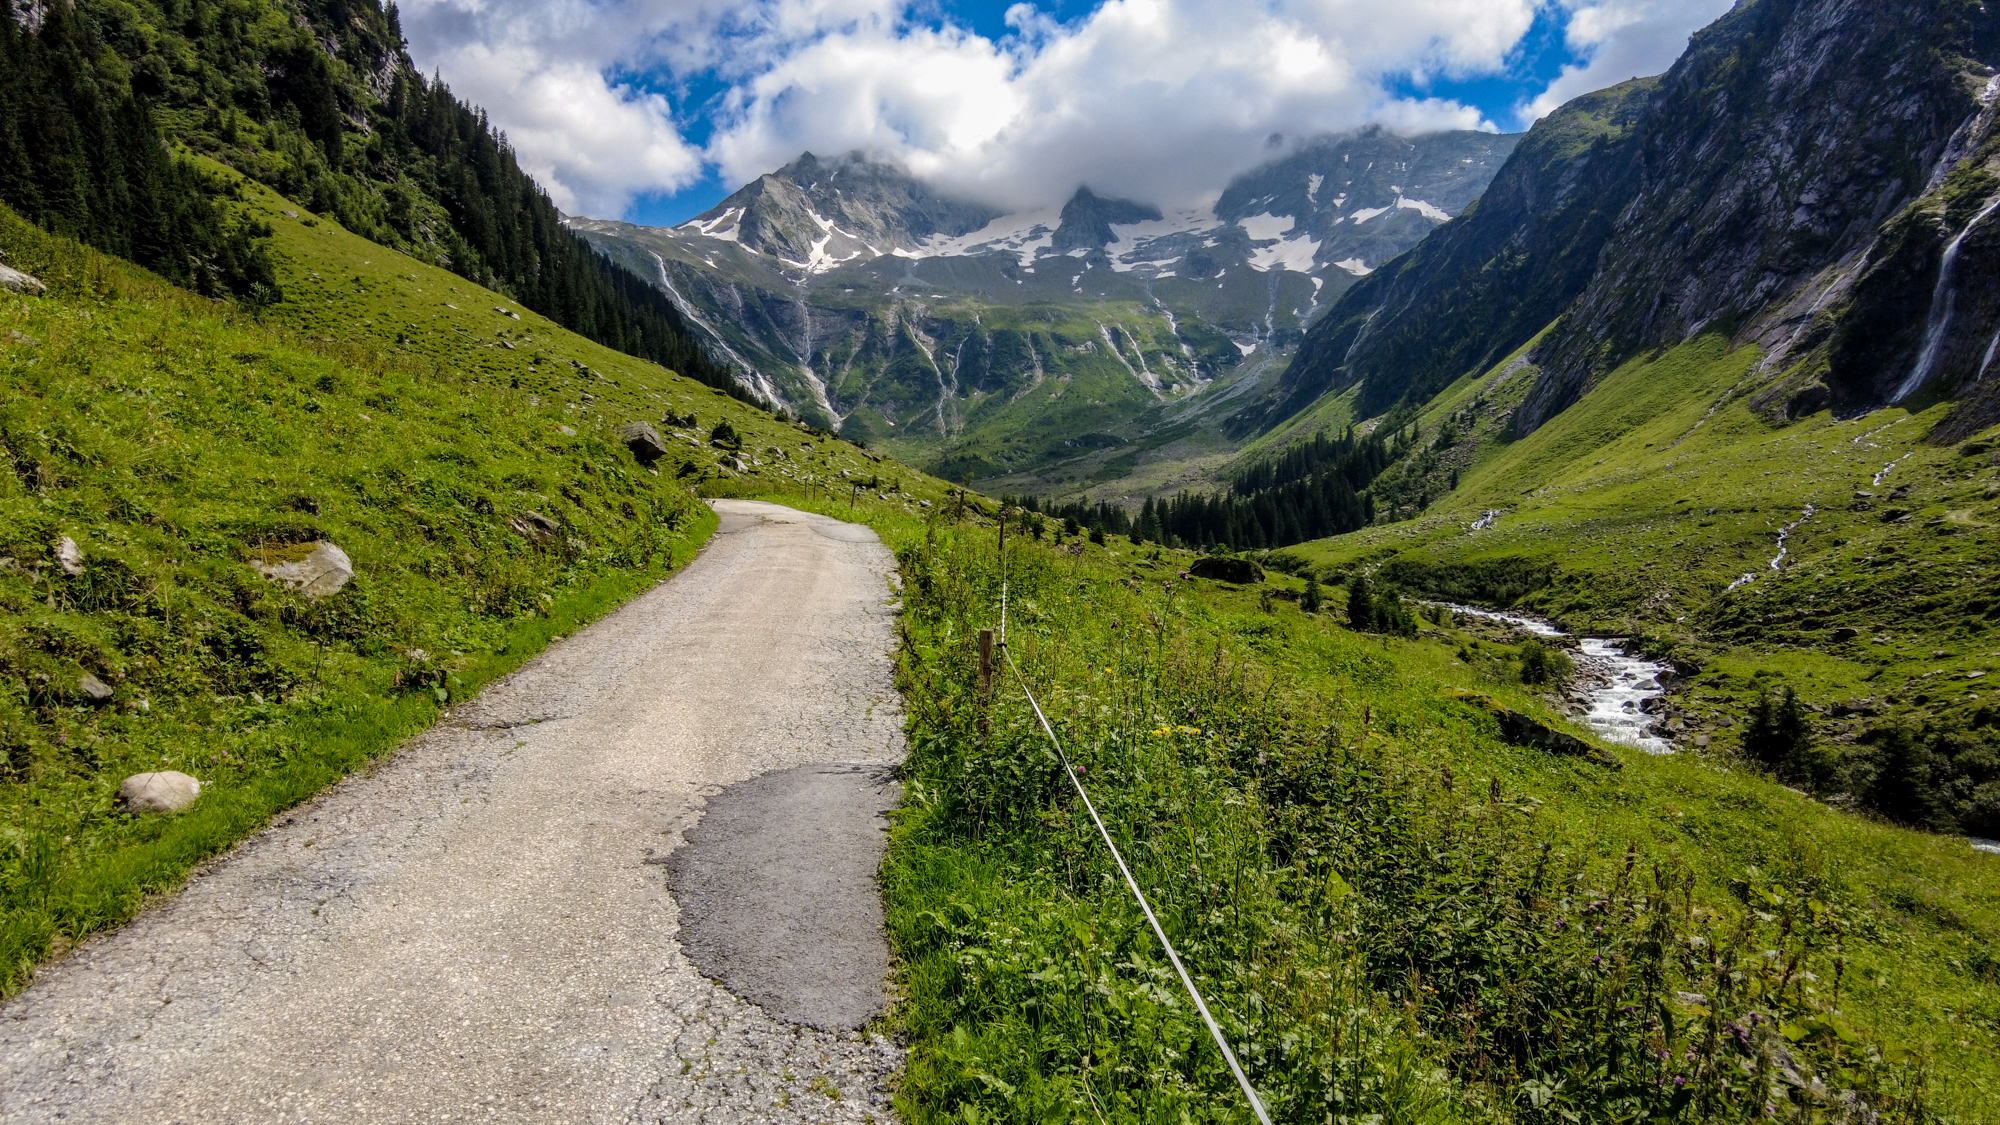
(1398, 916)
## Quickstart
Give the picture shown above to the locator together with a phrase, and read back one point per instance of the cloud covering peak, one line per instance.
(1161, 100)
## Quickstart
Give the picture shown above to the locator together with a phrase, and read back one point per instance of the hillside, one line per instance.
(1749, 191)
(459, 450)
(319, 102)
(1672, 436)
(1392, 906)
(1095, 346)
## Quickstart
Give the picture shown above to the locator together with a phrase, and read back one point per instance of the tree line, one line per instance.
(1314, 489)
(81, 154)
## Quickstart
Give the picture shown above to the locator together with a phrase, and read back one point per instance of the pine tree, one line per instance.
(1360, 604)
(1904, 788)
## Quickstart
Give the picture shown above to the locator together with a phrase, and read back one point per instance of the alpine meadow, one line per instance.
(1466, 616)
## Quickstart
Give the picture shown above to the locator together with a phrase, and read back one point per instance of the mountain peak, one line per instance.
(1087, 219)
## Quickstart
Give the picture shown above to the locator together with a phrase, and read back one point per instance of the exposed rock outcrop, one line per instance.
(1522, 730)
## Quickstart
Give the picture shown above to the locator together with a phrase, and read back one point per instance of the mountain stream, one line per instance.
(1615, 685)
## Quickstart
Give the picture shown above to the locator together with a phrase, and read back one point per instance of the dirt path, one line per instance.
(481, 928)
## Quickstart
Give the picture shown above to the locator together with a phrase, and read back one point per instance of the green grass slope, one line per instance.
(464, 458)
(1392, 911)
(1639, 512)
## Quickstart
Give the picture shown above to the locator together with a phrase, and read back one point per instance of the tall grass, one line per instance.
(1382, 941)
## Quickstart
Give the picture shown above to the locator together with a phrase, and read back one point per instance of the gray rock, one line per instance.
(160, 792)
(19, 282)
(95, 690)
(643, 440)
(320, 571)
(69, 556)
(534, 525)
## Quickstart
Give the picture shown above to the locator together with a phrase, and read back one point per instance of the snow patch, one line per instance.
(1367, 213)
(1312, 187)
(1434, 214)
(1265, 227)
(1295, 254)
(1024, 234)
(723, 226)
(1355, 266)
(1132, 243)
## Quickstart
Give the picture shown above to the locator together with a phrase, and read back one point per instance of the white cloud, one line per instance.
(1624, 39)
(537, 71)
(1164, 100)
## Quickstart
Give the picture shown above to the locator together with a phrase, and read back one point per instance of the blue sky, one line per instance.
(654, 110)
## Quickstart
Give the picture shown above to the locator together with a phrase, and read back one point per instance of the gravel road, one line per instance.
(481, 927)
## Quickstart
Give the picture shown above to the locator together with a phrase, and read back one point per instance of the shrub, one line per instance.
(1544, 663)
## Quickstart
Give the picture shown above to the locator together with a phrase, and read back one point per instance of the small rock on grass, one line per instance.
(18, 282)
(534, 525)
(69, 556)
(158, 792)
(95, 690)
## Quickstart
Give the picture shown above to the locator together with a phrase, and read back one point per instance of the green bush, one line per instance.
(1544, 664)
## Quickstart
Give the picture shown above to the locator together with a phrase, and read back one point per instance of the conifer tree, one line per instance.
(1360, 604)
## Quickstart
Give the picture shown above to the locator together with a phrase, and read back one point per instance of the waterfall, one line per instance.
(1943, 296)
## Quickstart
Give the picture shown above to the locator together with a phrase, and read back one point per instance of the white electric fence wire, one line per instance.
(1256, 1103)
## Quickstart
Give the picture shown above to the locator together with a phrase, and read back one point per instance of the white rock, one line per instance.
(164, 791)
(323, 570)
(69, 556)
(18, 282)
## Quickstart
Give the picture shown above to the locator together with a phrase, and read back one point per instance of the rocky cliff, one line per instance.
(1795, 181)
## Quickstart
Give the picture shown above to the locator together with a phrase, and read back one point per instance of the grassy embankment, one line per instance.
(1354, 865)
(177, 441)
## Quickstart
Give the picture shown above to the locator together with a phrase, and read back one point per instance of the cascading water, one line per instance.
(1784, 535)
(1943, 297)
(1619, 684)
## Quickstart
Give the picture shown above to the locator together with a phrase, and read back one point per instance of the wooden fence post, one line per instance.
(985, 681)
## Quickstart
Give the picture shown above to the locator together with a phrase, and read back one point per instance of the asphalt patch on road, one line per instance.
(778, 894)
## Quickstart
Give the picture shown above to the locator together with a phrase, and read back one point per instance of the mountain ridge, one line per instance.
(1753, 189)
(856, 296)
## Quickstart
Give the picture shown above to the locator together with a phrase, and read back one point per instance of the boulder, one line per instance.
(15, 281)
(313, 569)
(69, 556)
(96, 691)
(1227, 568)
(162, 792)
(1522, 730)
(643, 440)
